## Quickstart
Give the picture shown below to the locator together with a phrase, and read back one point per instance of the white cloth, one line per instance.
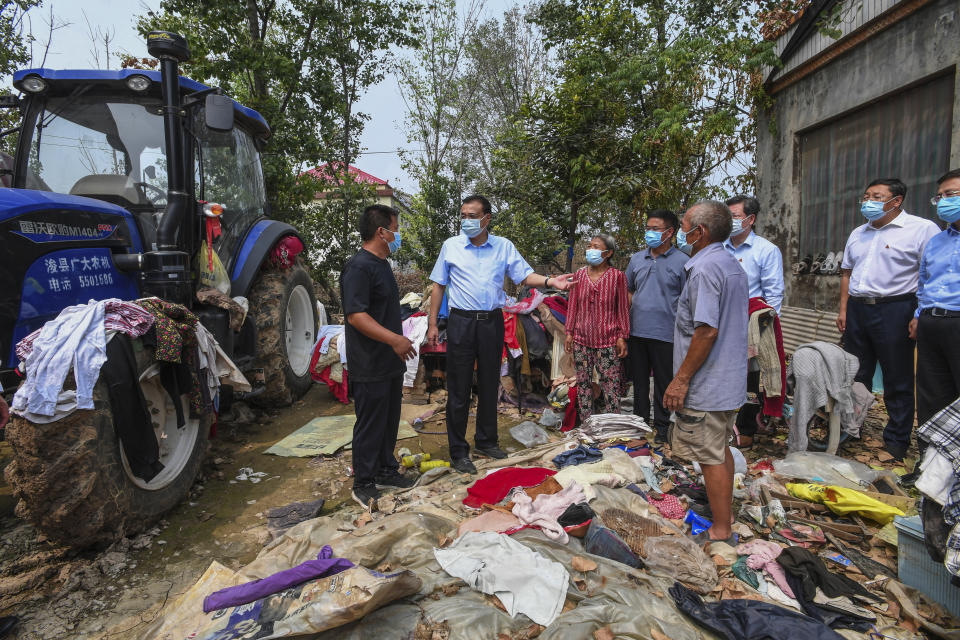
(66, 404)
(321, 314)
(544, 510)
(886, 261)
(218, 366)
(937, 477)
(74, 339)
(523, 580)
(819, 371)
(414, 330)
(325, 335)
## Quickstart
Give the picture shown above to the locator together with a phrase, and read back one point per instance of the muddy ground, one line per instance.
(115, 593)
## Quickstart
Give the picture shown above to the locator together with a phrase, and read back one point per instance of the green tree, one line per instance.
(16, 46)
(303, 65)
(653, 103)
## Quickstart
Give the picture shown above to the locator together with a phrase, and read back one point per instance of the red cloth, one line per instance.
(570, 416)
(557, 303)
(493, 488)
(286, 251)
(773, 406)
(339, 389)
(599, 312)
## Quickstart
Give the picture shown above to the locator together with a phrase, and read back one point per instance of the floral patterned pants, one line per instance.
(608, 366)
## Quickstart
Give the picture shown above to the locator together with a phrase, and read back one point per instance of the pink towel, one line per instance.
(544, 510)
(763, 555)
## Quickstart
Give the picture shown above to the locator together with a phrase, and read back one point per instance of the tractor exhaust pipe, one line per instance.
(167, 269)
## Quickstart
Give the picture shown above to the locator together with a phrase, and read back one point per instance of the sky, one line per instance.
(71, 48)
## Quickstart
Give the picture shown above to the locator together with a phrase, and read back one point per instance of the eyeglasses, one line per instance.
(863, 199)
(946, 194)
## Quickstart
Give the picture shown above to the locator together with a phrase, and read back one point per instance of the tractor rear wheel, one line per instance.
(71, 477)
(284, 306)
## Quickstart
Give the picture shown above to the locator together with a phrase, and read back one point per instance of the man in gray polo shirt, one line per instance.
(655, 277)
(709, 358)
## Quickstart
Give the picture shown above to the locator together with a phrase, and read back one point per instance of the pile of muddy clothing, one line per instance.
(588, 535)
(125, 346)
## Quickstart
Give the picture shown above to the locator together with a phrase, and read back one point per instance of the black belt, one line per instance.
(477, 315)
(901, 298)
(937, 312)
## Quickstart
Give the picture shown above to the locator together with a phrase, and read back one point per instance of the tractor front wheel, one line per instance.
(284, 306)
(71, 477)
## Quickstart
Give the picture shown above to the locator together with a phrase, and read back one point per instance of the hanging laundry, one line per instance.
(75, 340)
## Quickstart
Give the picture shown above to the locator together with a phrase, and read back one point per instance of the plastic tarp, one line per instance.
(632, 603)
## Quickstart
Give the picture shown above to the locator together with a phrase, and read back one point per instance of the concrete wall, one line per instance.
(923, 44)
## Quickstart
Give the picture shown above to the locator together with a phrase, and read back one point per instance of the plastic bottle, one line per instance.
(415, 459)
(433, 464)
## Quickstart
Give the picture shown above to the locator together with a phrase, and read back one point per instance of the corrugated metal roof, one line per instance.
(800, 326)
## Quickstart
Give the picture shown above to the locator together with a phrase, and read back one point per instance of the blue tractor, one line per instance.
(104, 198)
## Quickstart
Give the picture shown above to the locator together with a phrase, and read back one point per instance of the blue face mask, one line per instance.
(737, 227)
(471, 227)
(653, 238)
(594, 256)
(873, 210)
(948, 209)
(682, 241)
(394, 244)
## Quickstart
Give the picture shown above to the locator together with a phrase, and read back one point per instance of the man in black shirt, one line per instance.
(376, 350)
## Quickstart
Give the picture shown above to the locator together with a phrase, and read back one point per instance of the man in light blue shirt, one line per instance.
(471, 268)
(760, 258)
(936, 324)
(763, 263)
(709, 358)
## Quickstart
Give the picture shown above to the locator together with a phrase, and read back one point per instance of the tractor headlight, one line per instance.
(138, 83)
(34, 84)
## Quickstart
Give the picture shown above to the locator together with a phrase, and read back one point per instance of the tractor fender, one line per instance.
(254, 250)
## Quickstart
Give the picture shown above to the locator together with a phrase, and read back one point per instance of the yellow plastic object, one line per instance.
(414, 460)
(433, 464)
(842, 501)
(211, 269)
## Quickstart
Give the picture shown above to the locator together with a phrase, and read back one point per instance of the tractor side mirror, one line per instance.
(150, 172)
(218, 112)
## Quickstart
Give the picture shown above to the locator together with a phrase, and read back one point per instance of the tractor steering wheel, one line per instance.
(144, 186)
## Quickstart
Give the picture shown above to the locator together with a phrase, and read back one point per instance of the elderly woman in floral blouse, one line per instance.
(598, 326)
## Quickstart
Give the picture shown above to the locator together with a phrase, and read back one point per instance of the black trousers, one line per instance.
(747, 415)
(878, 333)
(475, 338)
(647, 354)
(377, 405)
(938, 364)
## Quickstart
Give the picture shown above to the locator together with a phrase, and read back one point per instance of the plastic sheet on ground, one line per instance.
(632, 603)
(828, 469)
(325, 436)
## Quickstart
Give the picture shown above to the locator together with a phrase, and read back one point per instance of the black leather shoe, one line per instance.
(491, 452)
(463, 465)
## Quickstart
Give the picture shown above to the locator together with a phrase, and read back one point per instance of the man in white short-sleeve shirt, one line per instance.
(878, 297)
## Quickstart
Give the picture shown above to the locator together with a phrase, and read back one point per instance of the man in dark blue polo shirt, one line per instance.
(655, 277)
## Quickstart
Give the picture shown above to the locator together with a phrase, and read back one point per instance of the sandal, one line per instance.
(803, 266)
(703, 538)
(817, 263)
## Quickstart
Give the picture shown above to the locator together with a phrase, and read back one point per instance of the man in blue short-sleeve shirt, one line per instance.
(709, 357)
(655, 277)
(471, 268)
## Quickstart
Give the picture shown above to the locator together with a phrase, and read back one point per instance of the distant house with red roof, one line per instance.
(385, 194)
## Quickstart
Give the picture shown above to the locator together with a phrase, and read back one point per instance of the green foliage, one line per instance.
(303, 65)
(15, 49)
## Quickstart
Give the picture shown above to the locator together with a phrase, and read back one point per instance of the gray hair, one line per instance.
(713, 216)
(608, 242)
